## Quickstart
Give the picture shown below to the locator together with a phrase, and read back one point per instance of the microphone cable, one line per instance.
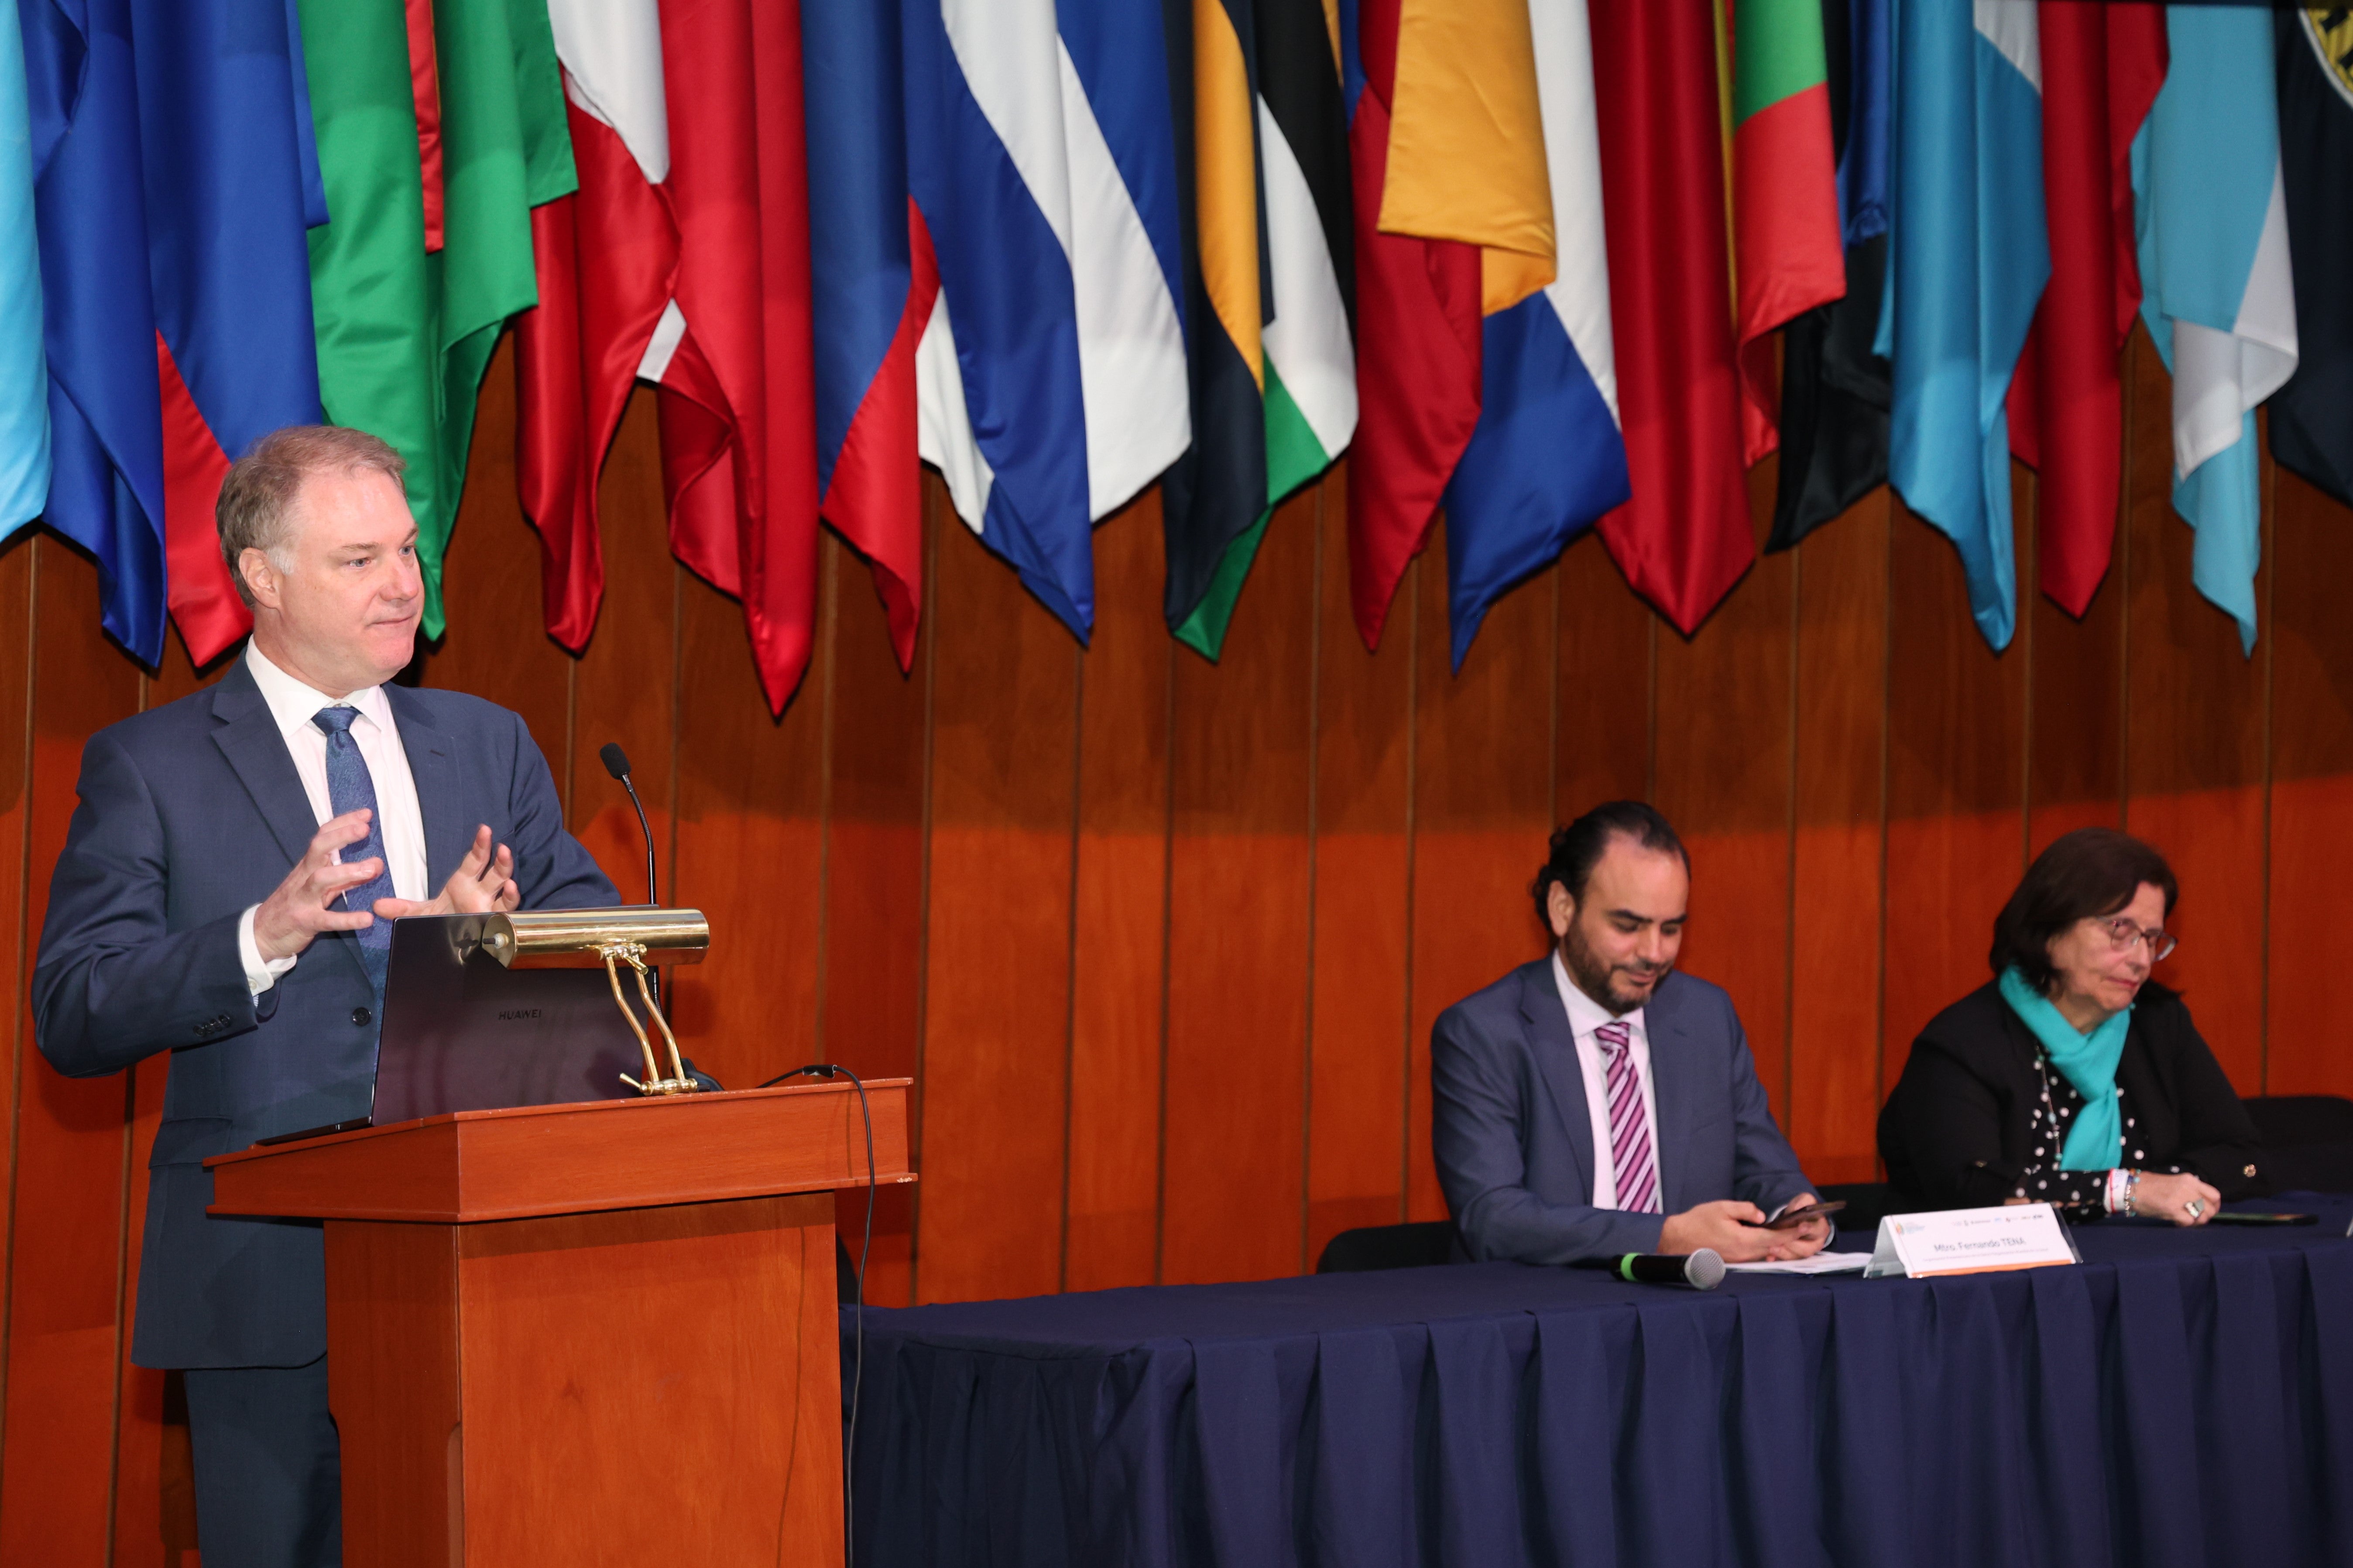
(857, 1296)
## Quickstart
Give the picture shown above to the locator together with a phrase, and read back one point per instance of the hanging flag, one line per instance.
(24, 374)
(1967, 259)
(2312, 415)
(404, 336)
(231, 190)
(1215, 500)
(1306, 386)
(106, 485)
(1835, 392)
(1453, 221)
(877, 276)
(1684, 538)
(605, 260)
(2218, 296)
(1052, 375)
(506, 150)
(1785, 226)
(732, 352)
(1547, 459)
(424, 90)
(2102, 66)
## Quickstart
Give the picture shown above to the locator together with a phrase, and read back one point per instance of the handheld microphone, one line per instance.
(617, 763)
(1701, 1270)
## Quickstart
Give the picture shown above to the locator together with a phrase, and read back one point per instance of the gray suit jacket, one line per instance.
(1514, 1137)
(190, 813)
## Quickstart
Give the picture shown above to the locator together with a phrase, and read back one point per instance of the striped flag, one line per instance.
(1454, 223)
(1788, 251)
(605, 259)
(24, 373)
(1547, 459)
(873, 266)
(1967, 259)
(2218, 296)
(1050, 376)
(1292, 325)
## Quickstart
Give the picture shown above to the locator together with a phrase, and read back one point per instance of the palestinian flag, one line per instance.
(2312, 416)
(1270, 309)
(1787, 257)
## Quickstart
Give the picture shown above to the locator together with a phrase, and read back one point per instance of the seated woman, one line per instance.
(2073, 1078)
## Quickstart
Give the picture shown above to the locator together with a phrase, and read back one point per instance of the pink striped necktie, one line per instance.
(1629, 1129)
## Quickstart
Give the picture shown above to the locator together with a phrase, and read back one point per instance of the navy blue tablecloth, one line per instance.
(2184, 1397)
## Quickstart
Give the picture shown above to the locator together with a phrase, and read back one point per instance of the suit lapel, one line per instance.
(1556, 1052)
(1672, 1091)
(433, 767)
(250, 739)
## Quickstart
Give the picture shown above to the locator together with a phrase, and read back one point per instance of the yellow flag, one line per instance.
(1466, 158)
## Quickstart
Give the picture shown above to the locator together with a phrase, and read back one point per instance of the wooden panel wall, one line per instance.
(1162, 940)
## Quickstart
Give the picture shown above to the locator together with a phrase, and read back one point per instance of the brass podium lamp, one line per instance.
(636, 936)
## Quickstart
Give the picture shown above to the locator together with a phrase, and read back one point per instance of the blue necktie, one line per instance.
(349, 787)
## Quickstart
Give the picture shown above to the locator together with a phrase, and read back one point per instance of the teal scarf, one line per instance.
(2089, 1061)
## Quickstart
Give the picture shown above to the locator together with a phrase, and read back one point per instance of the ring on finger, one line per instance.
(2195, 1207)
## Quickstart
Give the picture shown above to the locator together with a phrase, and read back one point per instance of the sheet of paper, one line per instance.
(1824, 1262)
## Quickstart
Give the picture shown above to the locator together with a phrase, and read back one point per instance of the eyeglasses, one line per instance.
(2123, 934)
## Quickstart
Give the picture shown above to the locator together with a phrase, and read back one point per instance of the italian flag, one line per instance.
(1788, 250)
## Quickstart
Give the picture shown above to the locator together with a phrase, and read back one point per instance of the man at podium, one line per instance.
(225, 893)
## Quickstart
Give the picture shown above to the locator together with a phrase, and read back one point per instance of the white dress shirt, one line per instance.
(293, 705)
(1586, 1017)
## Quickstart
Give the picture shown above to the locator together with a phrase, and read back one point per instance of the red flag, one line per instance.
(2102, 66)
(1418, 354)
(738, 397)
(204, 603)
(1684, 539)
(606, 259)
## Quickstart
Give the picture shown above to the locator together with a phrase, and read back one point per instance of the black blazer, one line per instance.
(1956, 1132)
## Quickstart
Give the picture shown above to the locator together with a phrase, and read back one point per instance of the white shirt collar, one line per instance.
(294, 705)
(1586, 1015)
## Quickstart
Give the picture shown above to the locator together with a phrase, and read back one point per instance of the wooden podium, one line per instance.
(587, 1333)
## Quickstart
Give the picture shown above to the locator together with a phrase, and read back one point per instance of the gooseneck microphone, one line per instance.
(617, 763)
(1701, 1270)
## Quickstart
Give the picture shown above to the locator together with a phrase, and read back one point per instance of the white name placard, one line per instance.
(1970, 1241)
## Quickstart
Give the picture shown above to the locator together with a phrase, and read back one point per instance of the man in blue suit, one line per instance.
(1599, 1102)
(227, 892)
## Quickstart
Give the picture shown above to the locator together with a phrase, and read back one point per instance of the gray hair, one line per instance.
(258, 496)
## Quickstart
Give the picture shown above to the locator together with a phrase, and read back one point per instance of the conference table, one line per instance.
(2179, 1398)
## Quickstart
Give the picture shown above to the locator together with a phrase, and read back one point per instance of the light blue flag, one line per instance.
(2217, 290)
(23, 372)
(1968, 256)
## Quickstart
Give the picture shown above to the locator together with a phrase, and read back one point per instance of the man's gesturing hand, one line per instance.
(483, 881)
(284, 922)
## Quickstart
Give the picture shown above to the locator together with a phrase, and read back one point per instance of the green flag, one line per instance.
(404, 337)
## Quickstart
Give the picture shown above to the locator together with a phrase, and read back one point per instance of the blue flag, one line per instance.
(1051, 380)
(1968, 256)
(24, 374)
(1545, 459)
(106, 485)
(2217, 290)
